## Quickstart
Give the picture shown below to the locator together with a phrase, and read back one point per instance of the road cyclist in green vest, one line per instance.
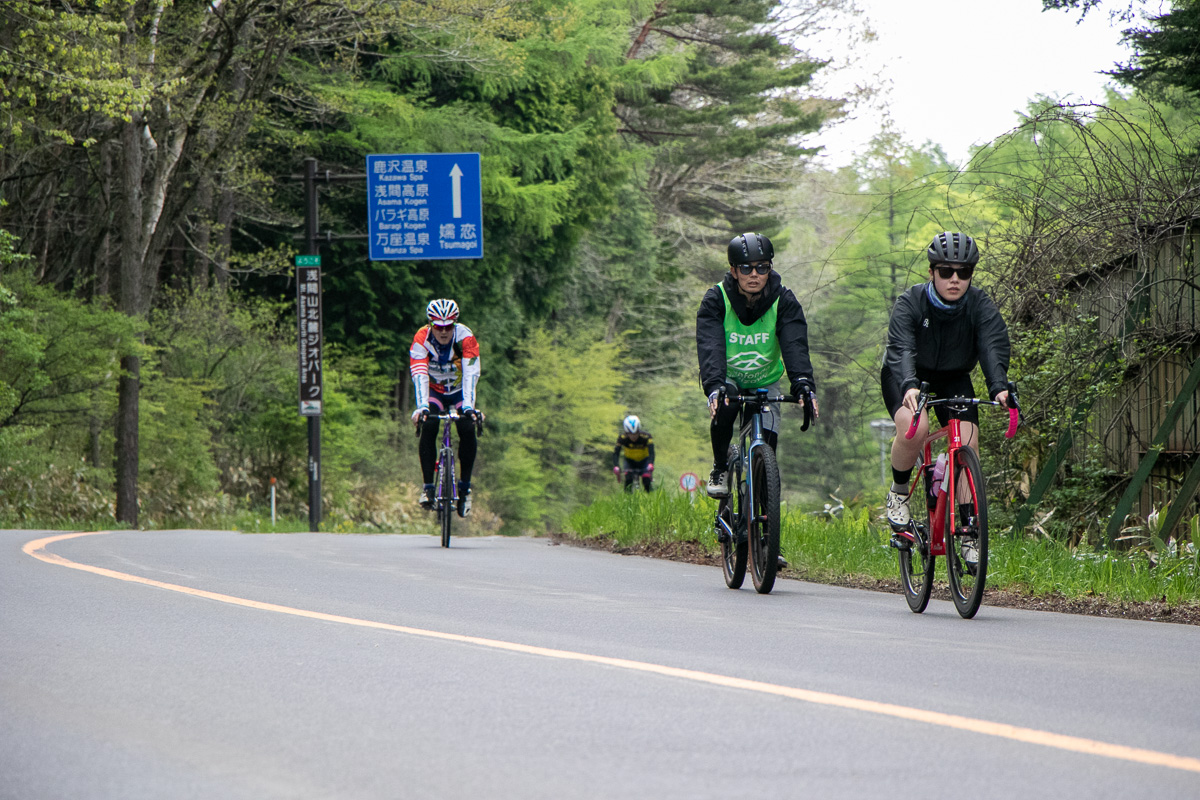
(750, 329)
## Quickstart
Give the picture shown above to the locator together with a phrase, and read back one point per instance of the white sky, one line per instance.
(957, 72)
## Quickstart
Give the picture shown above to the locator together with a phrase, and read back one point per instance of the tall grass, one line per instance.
(856, 545)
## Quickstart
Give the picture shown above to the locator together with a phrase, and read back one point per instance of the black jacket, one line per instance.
(923, 339)
(790, 327)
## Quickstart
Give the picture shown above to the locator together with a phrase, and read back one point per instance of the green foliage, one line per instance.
(56, 355)
(1165, 52)
(176, 469)
(878, 217)
(226, 375)
(831, 550)
(58, 369)
(555, 430)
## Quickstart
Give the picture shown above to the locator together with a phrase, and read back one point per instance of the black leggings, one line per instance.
(721, 432)
(632, 469)
(467, 444)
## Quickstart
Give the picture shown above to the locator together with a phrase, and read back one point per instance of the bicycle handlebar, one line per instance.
(755, 397)
(453, 414)
(923, 402)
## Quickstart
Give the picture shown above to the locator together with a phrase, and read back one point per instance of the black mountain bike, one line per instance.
(747, 521)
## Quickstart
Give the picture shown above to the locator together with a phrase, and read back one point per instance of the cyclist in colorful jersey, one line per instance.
(637, 446)
(937, 333)
(749, 329)
(444, 363)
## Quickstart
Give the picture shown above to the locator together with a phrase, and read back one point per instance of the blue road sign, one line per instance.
(426, 206)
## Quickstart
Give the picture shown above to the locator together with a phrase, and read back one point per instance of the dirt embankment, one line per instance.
(695, 553)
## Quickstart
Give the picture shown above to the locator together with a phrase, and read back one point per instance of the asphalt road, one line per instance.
(209, 664)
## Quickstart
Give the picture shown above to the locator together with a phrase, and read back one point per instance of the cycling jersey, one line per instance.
(444, 369)
(925, 341)
(725, 313)
(638, 447)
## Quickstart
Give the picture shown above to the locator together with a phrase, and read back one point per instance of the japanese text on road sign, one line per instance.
(424, 206)
(308, 313)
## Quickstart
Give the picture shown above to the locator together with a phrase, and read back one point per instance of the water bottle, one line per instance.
(939, 475)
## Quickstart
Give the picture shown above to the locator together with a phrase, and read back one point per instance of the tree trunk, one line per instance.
(130, 302)
(127, 440)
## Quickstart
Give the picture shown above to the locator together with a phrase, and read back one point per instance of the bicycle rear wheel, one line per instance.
(762, 521)
(447, 492)
(733, 549)
(967, 545)
(916, 564)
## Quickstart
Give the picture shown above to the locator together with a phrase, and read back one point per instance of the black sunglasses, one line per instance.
(761, 269)
(964, 273)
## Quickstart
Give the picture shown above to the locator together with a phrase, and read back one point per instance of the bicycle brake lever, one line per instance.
(808, 411)
(922, 399)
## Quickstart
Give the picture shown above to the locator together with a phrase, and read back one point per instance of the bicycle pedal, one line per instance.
(899, 542)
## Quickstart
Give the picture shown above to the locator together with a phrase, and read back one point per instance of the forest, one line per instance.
(151, 209)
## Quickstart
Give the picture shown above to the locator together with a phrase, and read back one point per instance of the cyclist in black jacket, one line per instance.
(938, 331)
(750, 327)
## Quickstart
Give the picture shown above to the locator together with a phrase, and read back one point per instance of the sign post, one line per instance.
(308, 315)
(424, 206)
(884, 429)
(688, 481)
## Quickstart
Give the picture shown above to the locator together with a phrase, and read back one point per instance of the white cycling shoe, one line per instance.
(898, 513)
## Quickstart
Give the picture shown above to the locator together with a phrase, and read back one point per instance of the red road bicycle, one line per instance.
(946, 531)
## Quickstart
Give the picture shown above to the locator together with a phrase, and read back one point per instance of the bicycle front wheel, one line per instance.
(967, 544)
(733, 537)
(916, 564)
(762, 520)
(447, 492)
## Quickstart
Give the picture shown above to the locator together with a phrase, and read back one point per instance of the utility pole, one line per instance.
(314, 421)
(311, 328)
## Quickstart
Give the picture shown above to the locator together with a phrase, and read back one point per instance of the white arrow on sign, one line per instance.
(456, 190)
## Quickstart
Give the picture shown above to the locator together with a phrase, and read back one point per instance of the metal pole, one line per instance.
(314, 422)
(883, 462)
(882, 428)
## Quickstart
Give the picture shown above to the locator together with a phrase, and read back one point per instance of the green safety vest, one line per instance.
(752, 356)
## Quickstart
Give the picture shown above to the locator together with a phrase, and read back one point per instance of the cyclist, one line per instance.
(938, 331)
(444, 363)
(750, 327)
(637, 446)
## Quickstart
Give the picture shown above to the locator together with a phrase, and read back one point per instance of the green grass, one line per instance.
(825, 550)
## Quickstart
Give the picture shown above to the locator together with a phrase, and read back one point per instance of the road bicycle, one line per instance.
(445, 498)
(747, 522)
(631, 477)
(952, 482)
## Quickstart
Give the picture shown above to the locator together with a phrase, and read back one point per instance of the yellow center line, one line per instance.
(1013, 732)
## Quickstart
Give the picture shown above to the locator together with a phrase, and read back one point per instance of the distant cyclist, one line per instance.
(444, 363)
(749, 329)
(636, 446)
(938, 331)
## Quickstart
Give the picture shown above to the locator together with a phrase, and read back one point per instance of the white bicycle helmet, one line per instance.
(632, 424)
(442, 312)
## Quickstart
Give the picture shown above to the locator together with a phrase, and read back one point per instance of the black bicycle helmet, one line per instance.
(750, 248)
(951, 247)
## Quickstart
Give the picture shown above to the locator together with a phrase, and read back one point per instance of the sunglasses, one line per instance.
(761, 269)
(946, 273)
(444, 328)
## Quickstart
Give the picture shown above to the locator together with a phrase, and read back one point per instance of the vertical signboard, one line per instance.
(308, 312)
(424, 206)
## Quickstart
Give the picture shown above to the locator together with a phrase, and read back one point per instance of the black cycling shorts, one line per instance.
(941, 384)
